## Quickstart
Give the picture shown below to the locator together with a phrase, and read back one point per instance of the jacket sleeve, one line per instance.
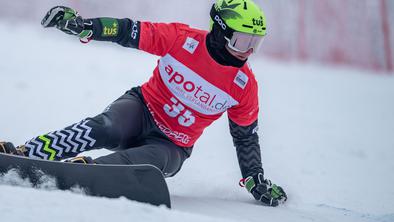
(159, 38)
(246, 142)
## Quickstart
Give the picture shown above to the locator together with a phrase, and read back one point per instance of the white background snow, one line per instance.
(327, 136)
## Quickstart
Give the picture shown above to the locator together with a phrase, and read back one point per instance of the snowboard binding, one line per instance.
(81, 160)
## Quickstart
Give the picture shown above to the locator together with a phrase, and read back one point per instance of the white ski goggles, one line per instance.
(243, 42)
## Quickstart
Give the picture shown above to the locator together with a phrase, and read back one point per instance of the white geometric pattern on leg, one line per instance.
(63, 141)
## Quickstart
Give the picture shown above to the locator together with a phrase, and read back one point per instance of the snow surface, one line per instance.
(326, 136)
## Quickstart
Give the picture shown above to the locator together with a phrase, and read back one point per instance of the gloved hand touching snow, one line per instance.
(263, 190)
(69, 21)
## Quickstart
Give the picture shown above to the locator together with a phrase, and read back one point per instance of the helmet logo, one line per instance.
(258, 22)
(221, 23)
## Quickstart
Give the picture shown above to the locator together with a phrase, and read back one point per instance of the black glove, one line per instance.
(69, 21)
(263, 190)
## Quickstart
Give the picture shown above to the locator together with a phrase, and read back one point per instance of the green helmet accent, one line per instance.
(242, 16)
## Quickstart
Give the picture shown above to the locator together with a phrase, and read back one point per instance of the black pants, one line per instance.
(126, 127)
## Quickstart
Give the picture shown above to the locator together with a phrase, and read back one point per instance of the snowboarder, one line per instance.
(199, 76)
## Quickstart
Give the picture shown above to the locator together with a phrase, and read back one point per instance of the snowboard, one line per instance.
(143, 183)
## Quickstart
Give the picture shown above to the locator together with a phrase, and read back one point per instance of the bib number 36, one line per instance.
(177, 110)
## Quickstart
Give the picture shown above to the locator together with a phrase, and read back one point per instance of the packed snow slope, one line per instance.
(327, 136)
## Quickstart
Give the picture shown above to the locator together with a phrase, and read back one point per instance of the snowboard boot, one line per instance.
(81, 160)
(9, 148)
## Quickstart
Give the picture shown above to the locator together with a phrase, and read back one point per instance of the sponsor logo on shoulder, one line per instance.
(241, 79)
(190, 45)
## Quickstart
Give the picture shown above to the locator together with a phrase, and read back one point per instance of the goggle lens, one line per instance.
(243, 42)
